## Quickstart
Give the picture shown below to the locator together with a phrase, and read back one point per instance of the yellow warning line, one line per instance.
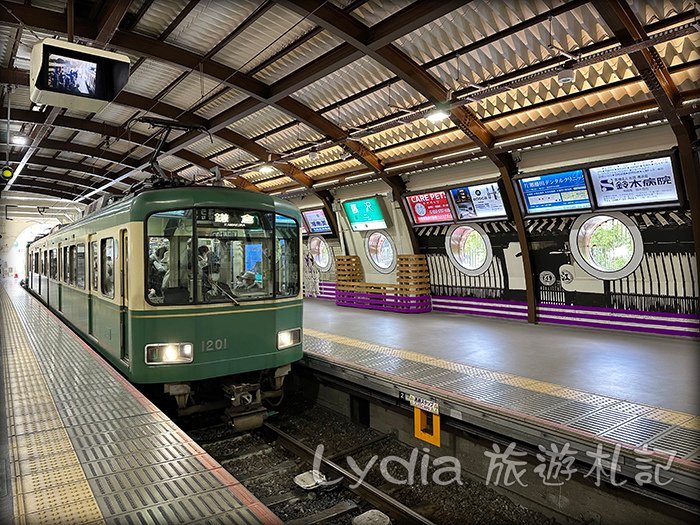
(48, 483)
(671, 417)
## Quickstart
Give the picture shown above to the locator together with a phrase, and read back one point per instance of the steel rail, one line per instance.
(365, 490)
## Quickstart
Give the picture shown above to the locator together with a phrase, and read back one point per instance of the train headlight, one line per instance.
(287, 338)
(169, 353)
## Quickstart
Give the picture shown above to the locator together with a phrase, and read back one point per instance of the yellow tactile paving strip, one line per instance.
(680, 419)
(48, 483)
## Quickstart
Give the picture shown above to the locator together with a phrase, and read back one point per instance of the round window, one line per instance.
(607, 245)
(321, 253)
(469, 248)
(380, 250)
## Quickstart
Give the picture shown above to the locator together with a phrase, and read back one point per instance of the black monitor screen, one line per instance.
(71, 75)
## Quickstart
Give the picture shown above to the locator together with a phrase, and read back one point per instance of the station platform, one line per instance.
(82, 445)
(537, 384)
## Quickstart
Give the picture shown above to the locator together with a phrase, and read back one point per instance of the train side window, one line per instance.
(45, 268)
(107, 266)
(80, 266)
(53, 264)
(287, 256)
(95, 264)
(66, 265)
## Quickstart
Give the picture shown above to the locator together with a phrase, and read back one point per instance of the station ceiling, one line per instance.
(308, 95)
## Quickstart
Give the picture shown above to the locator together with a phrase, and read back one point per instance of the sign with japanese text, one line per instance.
(556, 192)
(317, 221)
(643, 181)
(364, 214)
(478, 202)
(419, 402)
(429, 208)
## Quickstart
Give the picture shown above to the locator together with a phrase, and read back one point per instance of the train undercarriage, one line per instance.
(244, 399)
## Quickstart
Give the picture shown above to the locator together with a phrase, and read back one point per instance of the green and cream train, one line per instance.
(194, 288)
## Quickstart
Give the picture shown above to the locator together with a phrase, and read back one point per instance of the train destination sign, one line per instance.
(555, 192)
(429, 208)
(317, 221)
(364, 214)
(643, 181)
(478, 202)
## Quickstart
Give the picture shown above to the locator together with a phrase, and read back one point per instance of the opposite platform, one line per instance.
(86, 447)
(526, 409)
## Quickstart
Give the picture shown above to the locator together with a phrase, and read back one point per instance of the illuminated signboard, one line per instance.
(556, 192)
(643, 181)
(478, 202)
(364, 214)
(429, 208)
(317, 221)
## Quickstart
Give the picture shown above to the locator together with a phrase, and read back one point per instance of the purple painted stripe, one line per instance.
(689, 323)
(476, 300)
(384, 296)
(616, 310)
(385, 308)
(327, 285)
(658, 331)
(484, 314)
(326, 297)
(388, 304)
(506, 308)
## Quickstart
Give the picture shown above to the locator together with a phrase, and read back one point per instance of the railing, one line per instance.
(410, 295)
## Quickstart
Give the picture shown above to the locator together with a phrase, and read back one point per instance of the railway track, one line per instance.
(267, 460)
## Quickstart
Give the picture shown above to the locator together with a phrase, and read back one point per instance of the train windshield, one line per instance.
(239, 255)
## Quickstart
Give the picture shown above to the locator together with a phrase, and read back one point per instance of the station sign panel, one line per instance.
(364, 214)
(478, 202)
(317, 221)
(555, 192)
(429, 208)
(640, 182)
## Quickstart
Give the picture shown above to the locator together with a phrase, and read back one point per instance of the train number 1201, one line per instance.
(211, 345)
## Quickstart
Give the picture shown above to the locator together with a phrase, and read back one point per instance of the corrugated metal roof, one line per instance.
(191, 90)
(234, 158)
(268, 35)
(307, 52)
(209, 23)
(115, 114)
(172, 163)
(229, 98)
(375, 11)
(159, 16)
(7, 36)
(297, 136)
(151, 77)
(206, 146)
(261, 122)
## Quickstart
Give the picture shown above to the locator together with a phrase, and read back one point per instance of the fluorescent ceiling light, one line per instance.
(358, 176)
(266, 168)
(390, 168)
(455, 153)
(19, 140)
(615, 117)
(525, 137)
(326, 183)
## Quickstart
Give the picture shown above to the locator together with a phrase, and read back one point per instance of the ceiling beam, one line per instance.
(109, 19)
(68, 179)
(51, 191)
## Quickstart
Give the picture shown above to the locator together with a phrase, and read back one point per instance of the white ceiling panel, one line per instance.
(226, 100)
(151, 77)
(159, 16)
(191, 90)
(375, 11)
(261, 122)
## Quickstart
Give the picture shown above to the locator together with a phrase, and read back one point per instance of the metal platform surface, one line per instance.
(531, 411)
(86, 447)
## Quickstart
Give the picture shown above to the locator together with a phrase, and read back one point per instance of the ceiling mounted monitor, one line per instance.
(647, 181)
(478, 202)
(74, 76)
(317, 221)
(554, 193)
(429, 208)
(365, 214)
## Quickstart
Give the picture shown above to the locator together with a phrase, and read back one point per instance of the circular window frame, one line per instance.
(453, 259)
(637, 254)
(393, 264)
(330, 253)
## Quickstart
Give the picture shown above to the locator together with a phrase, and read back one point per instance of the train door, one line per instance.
(124, 306)
(59, 277)
(92, 265)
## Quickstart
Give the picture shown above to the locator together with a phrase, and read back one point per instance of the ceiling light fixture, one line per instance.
(405, 165)
(266, 169)
(19, 140)
(325, 183)
(313, 154)
(524, 137)
(437, 115)
(615, 117)
(455, 153)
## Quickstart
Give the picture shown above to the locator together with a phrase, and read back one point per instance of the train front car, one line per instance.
(218, 306)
